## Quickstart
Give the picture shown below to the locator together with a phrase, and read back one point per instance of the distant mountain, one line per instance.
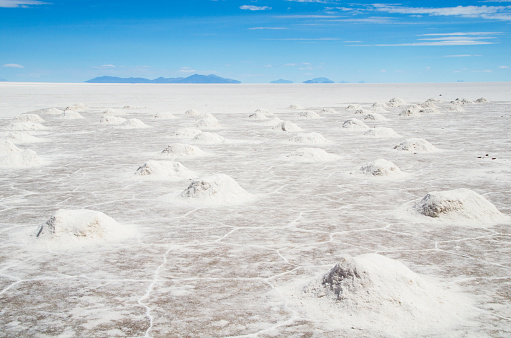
(196, 78)
(319, 80)
(281, 81)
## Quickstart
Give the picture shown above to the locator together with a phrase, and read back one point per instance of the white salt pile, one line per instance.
(77, 107)
(132, 124)
(71, 115)
(396, 102)
(192, 113)
(23, 137)
(186, 132)
(381, 132)
(460, 206)
(481, 100)
(208, 124)
(353, 107)
(165, 169)
(328, 111)
(165, 116)
(27, 125)
(80, 225)
(50, 111)
(13, 157)
(354, 124)
(462, 101)
(273, 122)
(295, 106)
(258, 115)
(181, 150)
(380, 105)
(456, 108)
(309, 115)
(311, 155)
(380, 167)
(375, 117)
(379, 110)
(429, 107)
(29, 118)
(362, 111)
(208, 138)
(112, 120)
(309, 138)
(287, 126)
(413, 110)
(114, 112)
(416, 145)
(362, 291)
(216, 189)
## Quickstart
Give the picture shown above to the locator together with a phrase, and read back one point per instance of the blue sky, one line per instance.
(256, 41)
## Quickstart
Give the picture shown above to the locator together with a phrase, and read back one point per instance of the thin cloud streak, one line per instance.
(20, 3)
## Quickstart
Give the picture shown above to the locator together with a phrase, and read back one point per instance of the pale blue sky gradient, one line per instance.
(256, 41)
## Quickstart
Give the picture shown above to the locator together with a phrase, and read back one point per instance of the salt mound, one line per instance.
(309, 138)
(6, 147)
(380, 105)
(362, 111)
(429, 107)
(208, 124)
(481, 100)
(416, 145)
(23, 137)
(206, 117)
(19, 159)
(217, 188)
(380, 167)
(353, 107)
(208, 138)
(359, 292)
(50, 111)
(133, 124)
(29, 118)
(80, 225)
(309, 115)
(287, 126)
(273, 122)
(78, 106)
(380, 110)
(328, 111)
(459, 205)
(181, 150)
(165, 116)
(168, 169)
(26, 126)
(71, 115)
(192, 113)
(310, 155)
(462, 101)
(375, 117)
(112, 120)
(413, 110)
(295, 106)
(258, 115)
(395, 102)
(382, 132)
(354, 124)
(114, 112)
(187, 132)
(456, 108)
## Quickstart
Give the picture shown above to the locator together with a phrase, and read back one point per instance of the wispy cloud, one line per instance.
(13, 65)
(317, 1)
(187, 70)
(485, 12)
(451, 39)
(308, 16)
(20, 3)
(272, 28)
(460, 56)
(304, 39)
(503, 67)
(255, 8)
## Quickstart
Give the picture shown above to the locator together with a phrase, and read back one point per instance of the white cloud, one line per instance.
(460, 56)
(304, 39)
(13, 65)
(317, 1)
(503, 67)
(451, 39)
(187, 70)
(255, 8)
(20, 3)
(485, 12)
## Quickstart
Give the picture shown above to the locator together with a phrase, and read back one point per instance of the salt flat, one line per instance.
(236, 238)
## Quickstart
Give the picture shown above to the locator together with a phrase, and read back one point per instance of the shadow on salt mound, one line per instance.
(208, 124)
(112, 120)
(416, 145)
(396, 102)
(310, 115)
(23, 137)
(29, 118)
(354, 124)
(381, 168)
(287, 126)
(164, 170)
(165, 116)
(311, 155)
(209, 138)
(27, 126)
(177, 150)
(71, 115)
(375, 117)
(462, 206)
(370, 288)
(132, 124)
(309, 138)
(217, 190)
(382, 132)
(67, 228)
(186, 133)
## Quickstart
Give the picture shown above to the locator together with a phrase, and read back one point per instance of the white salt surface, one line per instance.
(382, 132)
(165, 116)
(311, 155)
(164, 170)
(309, 138)
(29, 118)
(71, 115)
(309, 115)
(230, 269)
(208, 138)
(186, 132)
(23, 137)
(27, 126)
